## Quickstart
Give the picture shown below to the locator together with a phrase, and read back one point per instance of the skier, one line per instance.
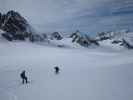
(24, 77)
(57, 69)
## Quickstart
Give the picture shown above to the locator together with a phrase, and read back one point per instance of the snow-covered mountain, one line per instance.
(13, 22)
(16, 26)
(123, 38)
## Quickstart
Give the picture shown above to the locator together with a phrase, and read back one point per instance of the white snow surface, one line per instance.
(86, 74)
(129, 38)
(1, 31)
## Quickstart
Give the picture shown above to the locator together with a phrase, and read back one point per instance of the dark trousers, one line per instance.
(56, 71)
(24, 80)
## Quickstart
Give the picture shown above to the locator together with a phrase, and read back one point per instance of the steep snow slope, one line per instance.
(107, 44)
(86, 74)
(129, 38)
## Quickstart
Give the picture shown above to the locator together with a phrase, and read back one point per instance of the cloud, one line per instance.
(69, 15)
(2, 5)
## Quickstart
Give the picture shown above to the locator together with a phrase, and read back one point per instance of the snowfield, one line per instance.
(86, 74)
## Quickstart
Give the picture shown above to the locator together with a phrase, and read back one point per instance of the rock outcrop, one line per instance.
(15, 26)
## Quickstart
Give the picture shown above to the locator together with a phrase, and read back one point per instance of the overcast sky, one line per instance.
(70, 15)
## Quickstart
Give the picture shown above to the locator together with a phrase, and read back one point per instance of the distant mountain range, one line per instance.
(16, 27)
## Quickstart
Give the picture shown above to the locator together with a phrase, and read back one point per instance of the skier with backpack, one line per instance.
(57, 69)
(24, 77)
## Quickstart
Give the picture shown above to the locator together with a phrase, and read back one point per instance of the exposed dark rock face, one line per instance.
(56, 36)
(16, 25)
(116, 41)
(7, 36)
(105, 36)
(83, 40)
(38, 38)
(127, 44)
